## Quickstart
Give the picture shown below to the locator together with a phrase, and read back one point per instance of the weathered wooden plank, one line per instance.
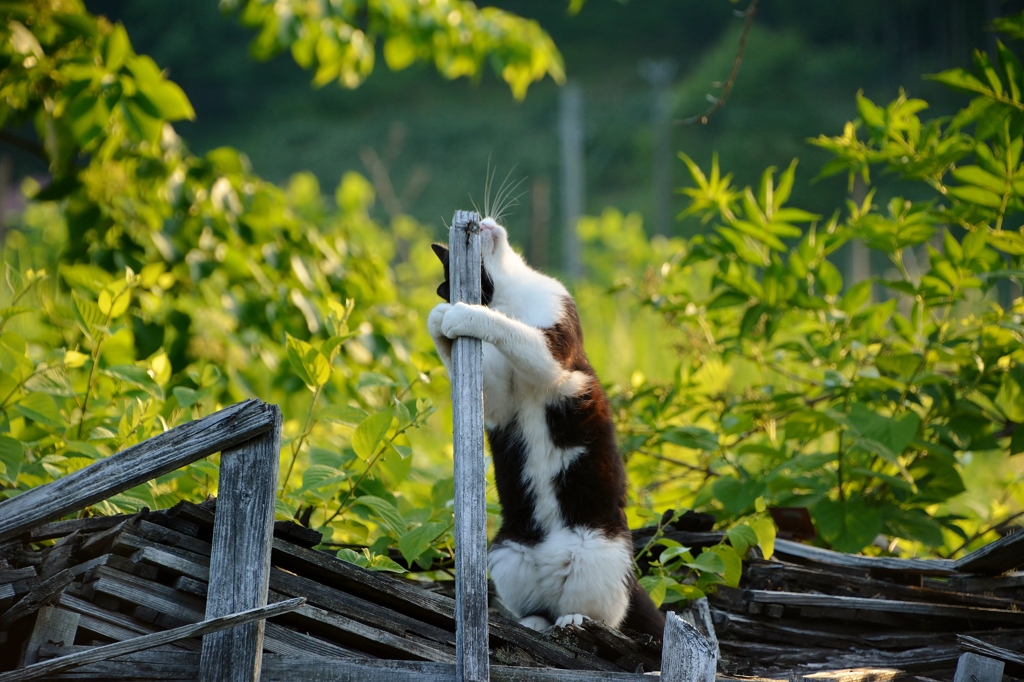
(906, 608)
(788, 548)
(103, 653)
(282, 640)
(52, 626)
(58, 529)
(764, 575)
(147, 460)
(162, 666)
(9, 575)
(996, 557)
(183, 607)
(470, 465)
(686, 655)
(240, 560)
(852, 675)
(111, 624)
(1008, 581)
(43, 593)
(976, 646)
(977, 668)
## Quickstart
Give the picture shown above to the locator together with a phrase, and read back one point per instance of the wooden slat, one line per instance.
(905, 608)
(240, 558)
(59, 529)
(470, 465)
(686, 655)
(103, 653)
(1015, 659)
(974, 667)
(788, 548)
(161, 666)
(140, 463)
(996, 557)
(43, 593)
(52, 625)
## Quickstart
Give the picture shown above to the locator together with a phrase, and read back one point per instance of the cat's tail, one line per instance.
(643, 616)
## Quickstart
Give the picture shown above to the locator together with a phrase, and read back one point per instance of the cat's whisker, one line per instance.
(488, 183)
(507, 201)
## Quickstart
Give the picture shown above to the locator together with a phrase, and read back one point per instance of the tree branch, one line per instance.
(24, 145)
(720, 102)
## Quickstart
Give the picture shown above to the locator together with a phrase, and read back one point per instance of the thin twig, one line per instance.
(24, 145)
(720, 101)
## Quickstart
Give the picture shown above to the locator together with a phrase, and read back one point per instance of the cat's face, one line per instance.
(493, 242)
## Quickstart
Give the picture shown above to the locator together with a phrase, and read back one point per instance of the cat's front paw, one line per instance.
(570, 619)
(461, 319)
(436, 320)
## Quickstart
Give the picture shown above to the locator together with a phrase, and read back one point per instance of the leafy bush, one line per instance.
(863, 401)
(146, 286)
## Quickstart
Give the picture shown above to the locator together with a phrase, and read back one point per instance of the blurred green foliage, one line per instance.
(865, 402)
(146, 286)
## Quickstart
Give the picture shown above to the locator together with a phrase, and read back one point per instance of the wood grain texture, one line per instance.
(183, 667)
(788, 548)
(106, 652)
(240, 557)
(471, 636)
(977, 668)
(140, 463)
(903, 608)
(996, 557)
(53, 626)
(686, 655)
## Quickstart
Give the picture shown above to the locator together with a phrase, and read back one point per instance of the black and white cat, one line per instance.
(564, 551)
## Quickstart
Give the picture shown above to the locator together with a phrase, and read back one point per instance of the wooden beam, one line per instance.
(687, 656)
(140, 463)
(799, 550)
(243, 531)
(977, 668)
(106, 652)
(996, 557)
(53, 625)
(470, 467)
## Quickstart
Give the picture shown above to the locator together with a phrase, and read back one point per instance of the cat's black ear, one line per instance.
(442, 255)
(444, 290)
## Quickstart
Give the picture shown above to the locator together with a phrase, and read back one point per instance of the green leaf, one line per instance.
(976, 175)
(850, 525)
(12, 454)
(961, 79)
(187, 397)
(399, 51)
(1010, 399)
(976, 195)
(831, 280)
(41, 409)
(318, 477)
(309, 364)
(709, 561)
(370, 432)
(737, 496)
(386, 512)
(742, 537)
(416, 541)
(117, 48)
(733, 564)
(913, 524)
(693, 437)
(1007, 242)
(655, 586)
(764, 529)
(168, 100)
(343, 414)
(137, 376)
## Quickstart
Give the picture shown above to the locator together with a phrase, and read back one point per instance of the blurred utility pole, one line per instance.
(859, 266)
(570, 133)
(659, 74)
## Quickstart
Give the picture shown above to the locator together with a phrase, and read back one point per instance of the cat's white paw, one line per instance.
(436, 319)
(461, 320)
(570, 619)
(538, 623)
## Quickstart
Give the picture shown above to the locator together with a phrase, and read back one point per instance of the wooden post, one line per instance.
(243, 531)
(573, 189)
(470, 503)
(53, 625)
(977, 668)
(686, 656)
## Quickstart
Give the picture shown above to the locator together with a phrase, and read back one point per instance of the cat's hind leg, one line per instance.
(594, 571)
